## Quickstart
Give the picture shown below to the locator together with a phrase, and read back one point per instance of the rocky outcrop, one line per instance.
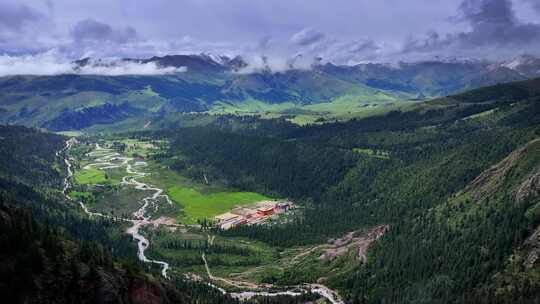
(360, 241)
(491, 180)
(530, 188)
(533, 245)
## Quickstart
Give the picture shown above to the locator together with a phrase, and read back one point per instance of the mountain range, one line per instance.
(221, 84)
(454, 180)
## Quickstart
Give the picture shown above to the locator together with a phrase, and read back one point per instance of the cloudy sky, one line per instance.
(342, 31)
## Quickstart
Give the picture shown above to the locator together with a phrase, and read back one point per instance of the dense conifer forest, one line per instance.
(437, 249)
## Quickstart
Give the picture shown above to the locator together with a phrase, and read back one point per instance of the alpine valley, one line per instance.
(139, 164)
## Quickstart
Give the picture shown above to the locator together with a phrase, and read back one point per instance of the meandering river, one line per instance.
(108, 159)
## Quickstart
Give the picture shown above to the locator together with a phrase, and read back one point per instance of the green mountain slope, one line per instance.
(44, 101)
(427, 78)
(443, 174)
(219, 85)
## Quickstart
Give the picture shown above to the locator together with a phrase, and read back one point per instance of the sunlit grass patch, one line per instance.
(91, 176)
(373, 153)
(79, 195)
(199, 206)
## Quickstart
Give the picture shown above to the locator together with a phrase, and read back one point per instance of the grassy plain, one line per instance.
(81, 195)
(199, 206)
(91, 176)
(341, 108)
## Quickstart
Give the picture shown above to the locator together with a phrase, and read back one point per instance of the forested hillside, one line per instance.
(454, 179)
(411, 170)
(41, 266)
(31, 177)
(55, 254)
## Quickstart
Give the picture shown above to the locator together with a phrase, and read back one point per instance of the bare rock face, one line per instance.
(493, 178)
(530, 188)
(372, 236)
(490, 180)
(359, 241)
(533, 245)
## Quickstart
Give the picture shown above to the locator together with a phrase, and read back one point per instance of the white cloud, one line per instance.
(41, 64)
(307, 36)
(119, 68)
(354, 31)
(51, 63)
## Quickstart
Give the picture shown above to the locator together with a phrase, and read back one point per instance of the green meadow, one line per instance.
(340, 108)
(199, 206)
(79, 195)
(91, 176)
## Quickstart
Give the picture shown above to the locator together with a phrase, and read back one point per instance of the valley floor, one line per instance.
(171, 218)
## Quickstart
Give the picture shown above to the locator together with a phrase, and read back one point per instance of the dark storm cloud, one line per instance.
(277, 33)
(14, 17)
(492, 24)
(235, 26)
(535, 4)
(90, 30)
(495, 22)
(21, 28)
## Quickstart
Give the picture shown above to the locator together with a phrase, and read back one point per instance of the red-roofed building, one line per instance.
(265, 211)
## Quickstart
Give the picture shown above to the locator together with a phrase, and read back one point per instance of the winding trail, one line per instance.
(307, 252)
(319, 289)
(108, 159)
